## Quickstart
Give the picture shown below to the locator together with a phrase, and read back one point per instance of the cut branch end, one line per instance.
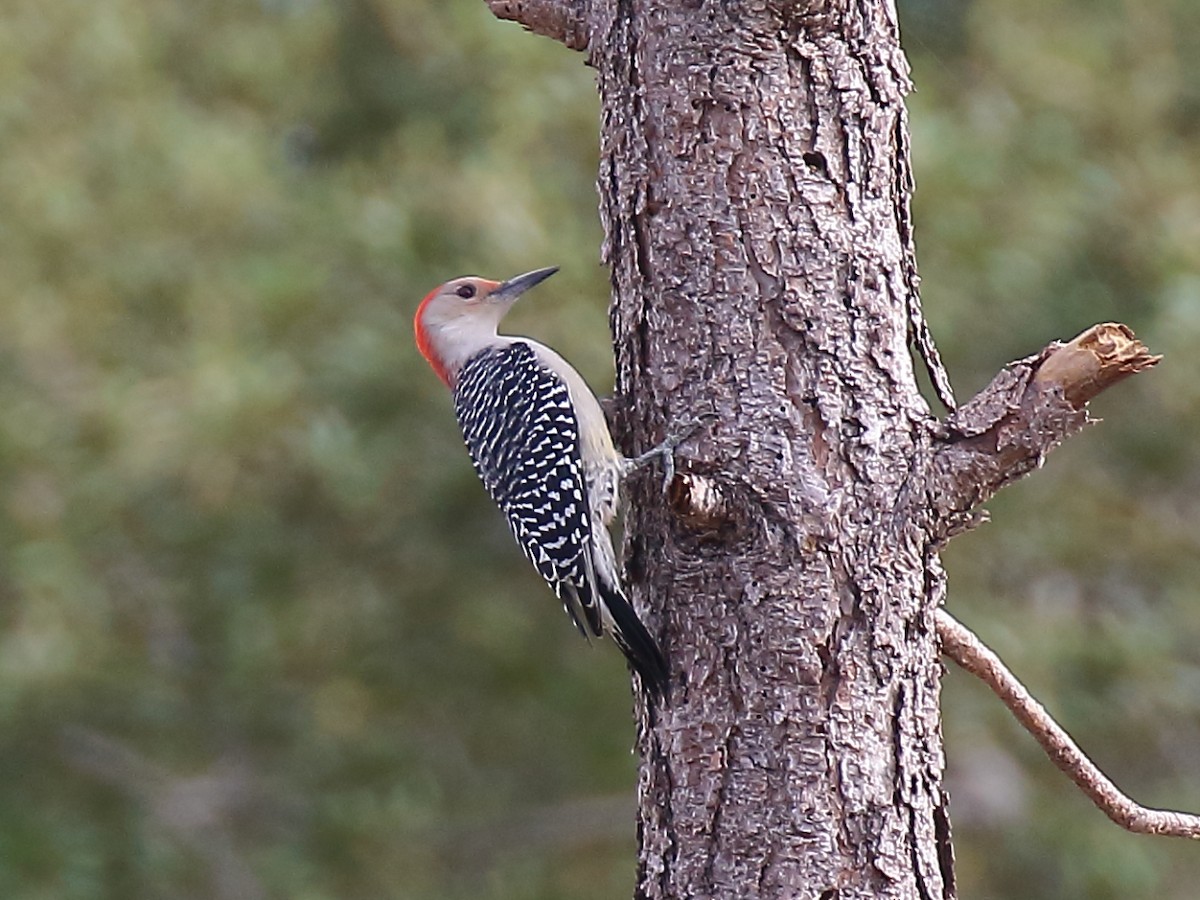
(1095, 360)
(1030, 407)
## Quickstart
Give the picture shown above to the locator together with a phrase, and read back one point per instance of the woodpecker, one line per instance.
(541, 446)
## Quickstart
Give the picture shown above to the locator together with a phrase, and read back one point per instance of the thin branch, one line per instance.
(965, 648)
(564, 20)
(1028, 410)
(938, 376)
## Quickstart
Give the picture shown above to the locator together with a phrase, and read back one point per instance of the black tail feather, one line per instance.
(635, 642)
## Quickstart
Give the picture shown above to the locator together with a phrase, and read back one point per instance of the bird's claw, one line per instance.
(666, 449)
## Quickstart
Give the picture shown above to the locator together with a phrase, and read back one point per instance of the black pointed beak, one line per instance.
(515, 287)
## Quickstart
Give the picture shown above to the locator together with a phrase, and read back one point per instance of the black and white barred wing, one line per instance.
(520, 429)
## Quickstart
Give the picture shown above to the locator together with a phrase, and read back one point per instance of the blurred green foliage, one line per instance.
(261, 633)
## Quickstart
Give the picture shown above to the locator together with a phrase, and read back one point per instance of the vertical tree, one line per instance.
(754, 189)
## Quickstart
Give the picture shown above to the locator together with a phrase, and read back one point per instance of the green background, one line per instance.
(261, 634)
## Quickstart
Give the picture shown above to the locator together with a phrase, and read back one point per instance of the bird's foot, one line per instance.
(666, 450)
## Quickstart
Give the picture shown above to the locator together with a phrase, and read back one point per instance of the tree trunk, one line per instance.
(754, 188)
(755, 191)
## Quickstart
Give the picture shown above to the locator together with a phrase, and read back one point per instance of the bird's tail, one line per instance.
(635, 641)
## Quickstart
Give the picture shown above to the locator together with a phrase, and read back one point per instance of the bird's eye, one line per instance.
(466, 291)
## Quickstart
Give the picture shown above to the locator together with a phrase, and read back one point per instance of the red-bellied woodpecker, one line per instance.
(541, 445)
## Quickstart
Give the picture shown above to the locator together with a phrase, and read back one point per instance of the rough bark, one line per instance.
(562, 20)
(754, 189)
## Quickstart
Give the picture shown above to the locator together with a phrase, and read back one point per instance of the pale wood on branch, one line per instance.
(1028, 409)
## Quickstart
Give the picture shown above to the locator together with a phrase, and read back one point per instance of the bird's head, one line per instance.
(458, 319)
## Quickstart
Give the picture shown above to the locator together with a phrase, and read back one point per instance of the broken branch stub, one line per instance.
(1095, 360)
(1029, 408)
